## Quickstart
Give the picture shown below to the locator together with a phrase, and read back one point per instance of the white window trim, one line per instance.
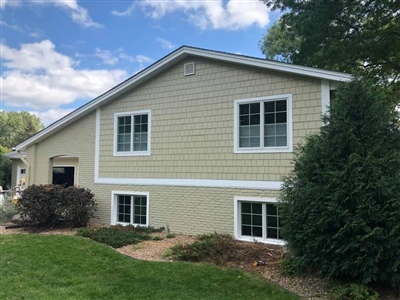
(237, 222)
(114, 206)
(19, 177)
(132, 113)
(288, 148)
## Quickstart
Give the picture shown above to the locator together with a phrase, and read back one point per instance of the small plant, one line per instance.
(215, 248)
(157, 238)
(352, 291)
(170, 235)
(7, 208)
(118, 236)
(290, 266)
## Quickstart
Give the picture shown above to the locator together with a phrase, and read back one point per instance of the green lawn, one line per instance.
(71, 267)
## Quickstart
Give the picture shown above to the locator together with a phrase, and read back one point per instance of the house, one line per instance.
(18, 169)
(197, 142)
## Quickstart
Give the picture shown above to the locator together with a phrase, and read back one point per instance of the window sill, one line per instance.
(261, 240)
(139, 153)
(265, 150)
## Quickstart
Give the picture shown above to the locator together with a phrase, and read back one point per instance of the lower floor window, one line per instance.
(130, 209)
(258, 220)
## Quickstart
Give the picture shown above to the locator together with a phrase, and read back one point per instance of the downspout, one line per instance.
(26, 164)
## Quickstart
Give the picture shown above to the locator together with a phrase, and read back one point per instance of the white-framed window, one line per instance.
(132, 133)
(257, 219)
(263, 124)
(130, 208)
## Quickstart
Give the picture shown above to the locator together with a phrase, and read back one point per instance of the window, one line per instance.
(132, 133)
(263, 124)
(130, 208)
(257, 219)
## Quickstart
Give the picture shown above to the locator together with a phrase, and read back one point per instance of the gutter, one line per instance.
(25, 163)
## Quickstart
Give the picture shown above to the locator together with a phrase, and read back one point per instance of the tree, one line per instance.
(343, 35)
(5, 169)
(16, 127)
(341, 203)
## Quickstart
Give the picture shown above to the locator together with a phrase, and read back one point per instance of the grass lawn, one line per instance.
(70, 267)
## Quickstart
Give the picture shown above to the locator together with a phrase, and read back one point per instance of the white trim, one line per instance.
(19, 177)
(166, 62)
(325, 95)
(132, 114)
(288, 148)
(114, 194)
(238, 184)
(236, 214)
(210, 183)
(97, 145)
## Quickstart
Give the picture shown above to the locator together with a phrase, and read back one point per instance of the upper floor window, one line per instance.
(132, 133)
(263, 124)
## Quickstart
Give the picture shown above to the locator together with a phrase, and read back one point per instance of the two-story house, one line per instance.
(198, 141)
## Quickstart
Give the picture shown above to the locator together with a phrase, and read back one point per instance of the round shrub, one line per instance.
(47, 205)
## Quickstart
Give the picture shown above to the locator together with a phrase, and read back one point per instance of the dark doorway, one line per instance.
(64, 176)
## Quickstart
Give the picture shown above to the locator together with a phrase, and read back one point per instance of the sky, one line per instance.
(57, 55)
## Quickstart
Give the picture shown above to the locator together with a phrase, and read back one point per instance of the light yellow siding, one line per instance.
(183, 209)
(77, 140)
(192, 134)
(193, 124)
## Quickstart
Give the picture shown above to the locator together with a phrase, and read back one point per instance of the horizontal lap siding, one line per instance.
(192, 123)
(183, 209)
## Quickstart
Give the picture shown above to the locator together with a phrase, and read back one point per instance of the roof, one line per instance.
(14, 155)
(169, 60)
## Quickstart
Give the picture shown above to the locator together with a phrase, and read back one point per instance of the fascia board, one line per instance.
(272, 65)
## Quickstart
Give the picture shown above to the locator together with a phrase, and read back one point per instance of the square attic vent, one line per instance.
(189, 69)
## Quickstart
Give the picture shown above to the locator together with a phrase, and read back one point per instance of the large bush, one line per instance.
(341, 204)
(47, 205)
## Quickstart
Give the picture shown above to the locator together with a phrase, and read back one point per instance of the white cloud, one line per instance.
(235, 14)
(78, 13)
(4, 3)
(50, 116)
(39, 77)
(116, 56)
(165, 43)
(106, 56)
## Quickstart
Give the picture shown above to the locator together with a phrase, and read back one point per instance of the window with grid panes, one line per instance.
(132, 209)
(132, 133)
(263, 125)
(259, 220)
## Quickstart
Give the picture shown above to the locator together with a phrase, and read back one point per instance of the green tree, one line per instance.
(343, 35)
(16, 127)
(5, 169)
(341, 203)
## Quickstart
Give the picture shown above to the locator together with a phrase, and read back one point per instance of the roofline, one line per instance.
(163, 64)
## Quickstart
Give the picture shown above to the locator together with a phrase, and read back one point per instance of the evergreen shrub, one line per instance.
(341, 204)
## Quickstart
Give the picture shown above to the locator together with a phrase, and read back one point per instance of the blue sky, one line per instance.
(57, 55)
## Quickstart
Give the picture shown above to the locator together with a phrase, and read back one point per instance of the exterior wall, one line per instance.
(192, 130)
(192, 134)
(185, 210)
(15, 164)
(77, 141)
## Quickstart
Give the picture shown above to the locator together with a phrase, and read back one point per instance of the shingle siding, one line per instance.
(192, 135)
